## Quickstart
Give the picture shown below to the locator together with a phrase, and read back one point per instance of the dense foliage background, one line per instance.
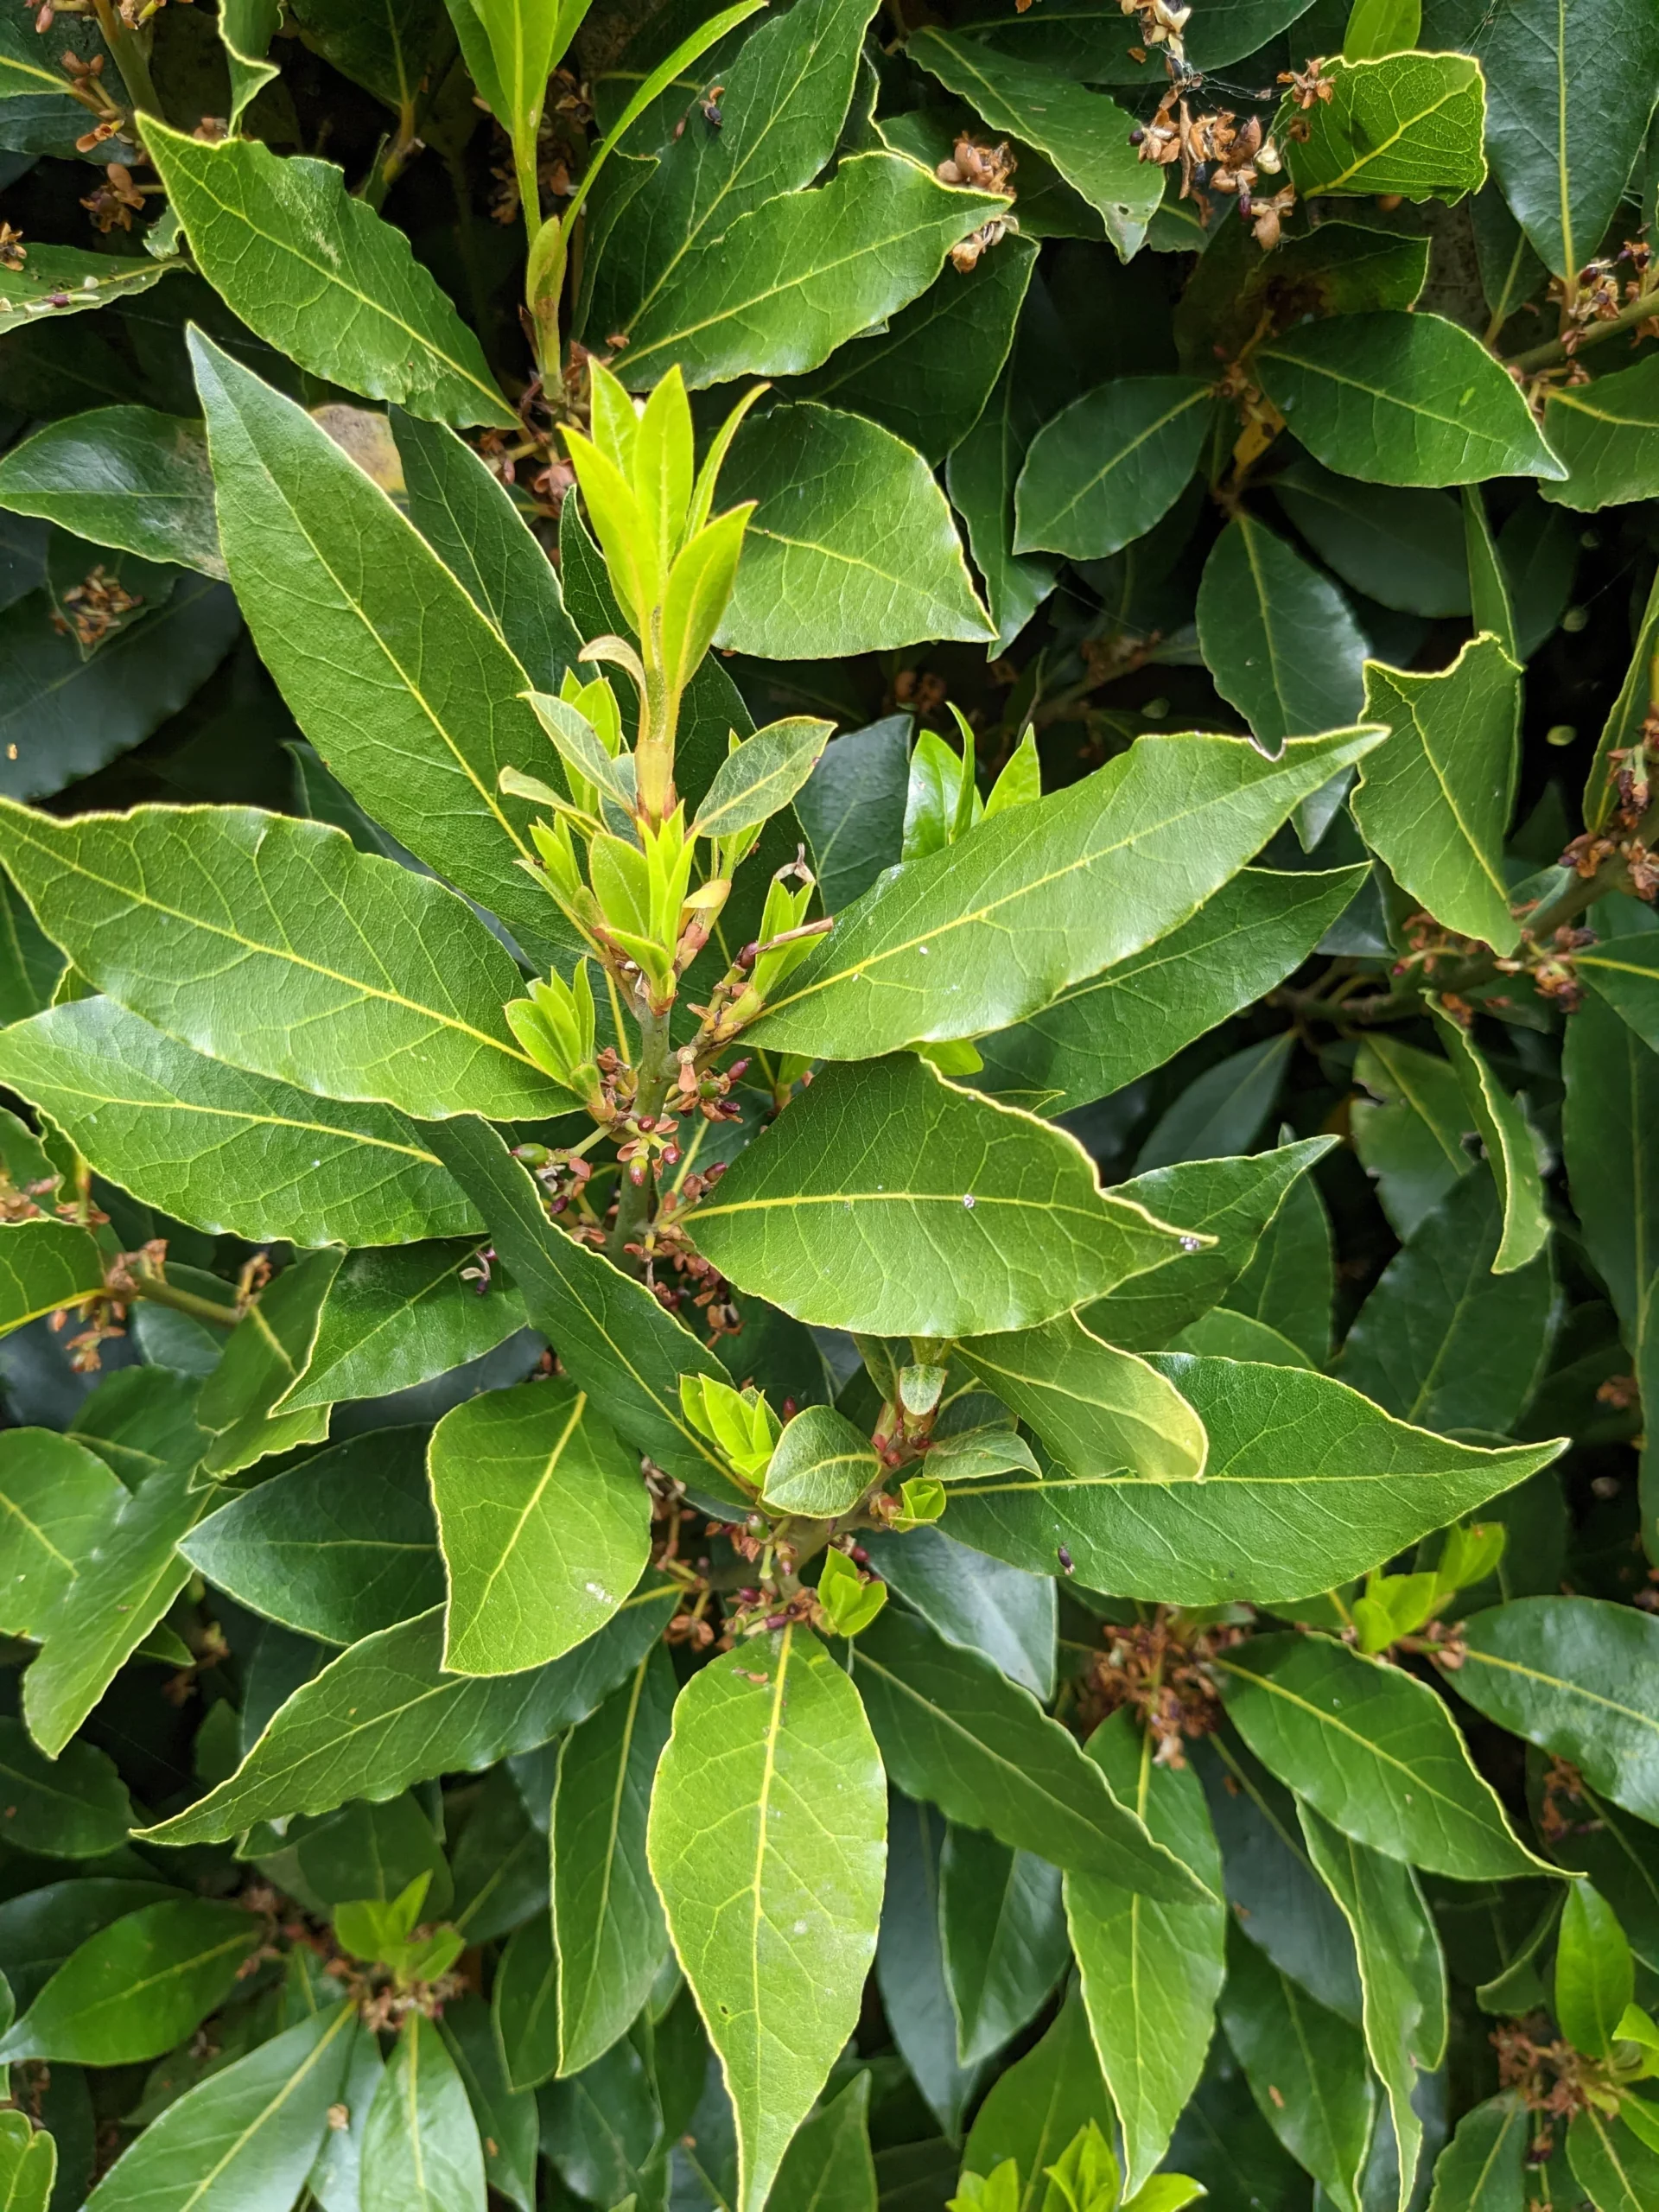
(449, 1731)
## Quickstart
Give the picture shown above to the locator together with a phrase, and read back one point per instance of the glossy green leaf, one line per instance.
(263, 1356)
(1443, 1342)
(1568, 105)
(823, 1465)
(45, 1264)
(1400, 122)
(1579, 1677)
(1400, 1971)
(1305, 2067)
(396, 1319)
(851, 545)
(1610, 2162)
(1379, 27)
(245, 30)
(1231, 1200)
(608, 1930)
(793, 279)
(1150, 1972)
(1003, 1929)
(123, 1586)
(1289, 1284)
(243, 2138)
(1506, 1134)
(1036, 2108)
(63, 716)
(28, 2164)
(910, 1962)
(138, 1986)
(1624, 971)
(339, 1548)
(1085, 136)
(1110, 465)
(1280, 1518)
(408, 686)
(927, 376)
(1042, 897)
(1401, 399)
(224, 1151)
(72, 1807)
(421, 2148)
(1483, 2168)
(274, 944)
(70, 274)
(1095, 1408)
(1613, 1103)
(121, 476)
(55, 1500)
(525, 2004)
(384, 1714)
(986, 1217)
(1400, 547)
(772, 1768)
(828, 2168)
(1375, 1751)
(761, 776)
(544, 1522)
(318, 275)
(954, 1730)
(1410, 1140)
(1595, 1979)
(1278, 637)
(1100, 1035)
(977, 1602)
(1434, 799)
(506, 2118)
(982, 475)
(614, 1339)
(1607, 433)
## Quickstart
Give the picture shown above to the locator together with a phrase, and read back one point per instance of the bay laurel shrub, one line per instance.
(831, 1177)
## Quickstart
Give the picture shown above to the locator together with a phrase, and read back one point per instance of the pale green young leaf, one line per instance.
(1278, 637)
(987, 1218)
(772, 1769)
(28, 2164)
(1150, 1972)
(1443, 1342)
(614, 1339)
(420, 2148)
(336, 1548)
(955, 1731)
(1375, 1751)
(1506, 1134)
(851, 546)
(1594, 1973)
(697, 593)
(1046, 895)
(1433, 800)
(608, 1930)
(402, 672)
(1483, 2168)
(276, 944)
(45, 1264)
(1400, 398)
(1281, 1520)
(224, 1151)
(1109, 466)
(139, 1985)
(1305, 2067)
(384, 1714)
(122, 476)
(320, 276)
(1401, 1973)
(1578, 1677)
(1396, 122)
(1379, 26)
(243, 2138)
(1098, 1409)
(544, 1522)
(1085, 135)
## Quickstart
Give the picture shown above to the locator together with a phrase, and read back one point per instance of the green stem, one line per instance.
(129, 59)
(160, 1292)
(655, 1067)
(1552, 355)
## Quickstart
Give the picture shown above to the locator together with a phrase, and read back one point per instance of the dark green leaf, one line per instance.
(1612, 1103)
(421, 2148)
(71, 1806)
(1483, 2168)
(1606, 432)
(1035, 2109)
(396, 1319)
(1110, 465)
(1278, 637)
(1305, 2067)
(138, 1987)
(1411, 1141)
(1003, 1929)
(1400, 547)
(506, 2117)
(1610, 2162)
(121, 476)
(263, 1356)
(910, 1962)
(974, 1601)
